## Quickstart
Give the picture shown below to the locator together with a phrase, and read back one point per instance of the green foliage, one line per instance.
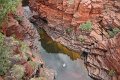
(39, 78)
(69, 30)
(113, 32)
(86, 26)
(35, 78)
(19, 18)
(33, 55)
(81, 39)
(4, 56)
(70, 1)
(16, 57)
(18, 71)
(24, 47)
(1, 39)
(33, 64)
(111, 72)
(7, 6)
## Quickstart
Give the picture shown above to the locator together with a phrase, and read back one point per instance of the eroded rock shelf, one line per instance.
(90, 28)
(65, 17)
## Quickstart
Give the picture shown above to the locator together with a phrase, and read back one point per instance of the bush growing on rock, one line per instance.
(30, 68)
(39, 78)
(33, 64)
(17, 71)
(112, 72)
(69, 30)
(70, 1)
(4, 56)
(86, 26)
(113, 32)
(24, 48)
(81, 39)
(7, 6)
(18, 18)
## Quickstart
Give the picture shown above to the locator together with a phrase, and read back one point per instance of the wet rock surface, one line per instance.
(102, 41)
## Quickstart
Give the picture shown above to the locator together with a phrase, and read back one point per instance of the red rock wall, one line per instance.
(104, 14)
(67, 12)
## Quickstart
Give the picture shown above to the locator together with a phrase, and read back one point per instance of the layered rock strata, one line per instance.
(23, 39)
(65, 18)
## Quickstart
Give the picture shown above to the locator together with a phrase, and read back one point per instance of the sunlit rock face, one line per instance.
(103, 60)
(20, 27)
(67, 12)
(23, 40)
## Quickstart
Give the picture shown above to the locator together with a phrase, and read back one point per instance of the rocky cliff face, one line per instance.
(23, 40)
(67, 12)
(66, 21)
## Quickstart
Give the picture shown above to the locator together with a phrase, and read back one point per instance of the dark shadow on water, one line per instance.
(53, 47)
(55, 58)
(56, 55)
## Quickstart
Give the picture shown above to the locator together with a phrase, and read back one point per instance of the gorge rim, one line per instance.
(59, 39)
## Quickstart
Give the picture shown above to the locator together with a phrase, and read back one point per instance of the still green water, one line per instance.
(66, 63)
(53, 47)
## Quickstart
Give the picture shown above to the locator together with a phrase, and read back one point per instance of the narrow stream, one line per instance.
(66, 63)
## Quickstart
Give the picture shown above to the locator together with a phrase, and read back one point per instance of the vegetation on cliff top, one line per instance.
(86, 26)
(113, 32)
(4, 56)
(7, 6)
(18, 71)
(13, 53)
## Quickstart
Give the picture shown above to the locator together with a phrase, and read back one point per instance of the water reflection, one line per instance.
(64, 61)
(53, 47)
(56, 55)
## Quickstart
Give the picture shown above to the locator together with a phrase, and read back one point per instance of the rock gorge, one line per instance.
(101, 43)
(89, 27)
(23, 61)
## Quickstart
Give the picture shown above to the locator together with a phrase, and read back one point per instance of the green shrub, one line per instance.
(17, 71)
(24, 47)
(18, 18)
(1, 39)
(4, 56)
(86, 26)
(69, 30)
(70, 1)
(113, 32)
(81, 39)
(7, 6)
(16, 57)
(111, 72)
(33, 64)
(33, 55)
(35, 78)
